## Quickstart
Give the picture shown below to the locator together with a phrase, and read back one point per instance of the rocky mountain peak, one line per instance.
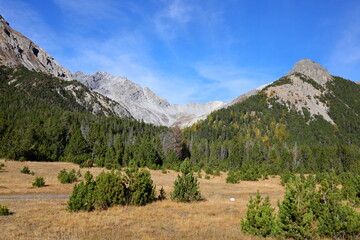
(3, 21)
(16, 49)
(312, 70)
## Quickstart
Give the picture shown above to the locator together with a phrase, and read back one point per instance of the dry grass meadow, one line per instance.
(40, 213)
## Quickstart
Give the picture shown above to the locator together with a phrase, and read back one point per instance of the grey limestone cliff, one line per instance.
(16, 49)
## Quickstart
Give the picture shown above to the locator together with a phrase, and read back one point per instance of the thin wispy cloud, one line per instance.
(226, 80)
(172, 18)
(191, 50)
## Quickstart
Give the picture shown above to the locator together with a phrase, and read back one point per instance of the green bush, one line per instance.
(1, 166)
(135, 187)
(82, 197)
(67, 177)
(217, 172)
(25, 170)
(306, 212)
(233, 177)
(286, 177)
(4, 210)
(140, 185)
(259, 218)
(39, 182)
(209, 170)
(110, 190)
(207, 177)
(186, 186)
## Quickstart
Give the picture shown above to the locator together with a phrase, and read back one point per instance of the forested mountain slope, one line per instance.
(43, 118)
(306, 121)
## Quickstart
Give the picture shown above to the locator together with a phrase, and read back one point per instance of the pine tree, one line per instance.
(295, 218)
(186, 186)
(259, 218)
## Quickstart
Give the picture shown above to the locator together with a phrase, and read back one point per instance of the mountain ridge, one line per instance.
(144, 104)
(16, 49)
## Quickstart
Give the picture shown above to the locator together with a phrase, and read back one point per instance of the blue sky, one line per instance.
(193, 51)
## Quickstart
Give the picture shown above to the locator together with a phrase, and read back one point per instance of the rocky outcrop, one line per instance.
(16, 49)
(311, 69)
(303, 88)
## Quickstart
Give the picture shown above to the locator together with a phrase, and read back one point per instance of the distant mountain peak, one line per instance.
(311, 69)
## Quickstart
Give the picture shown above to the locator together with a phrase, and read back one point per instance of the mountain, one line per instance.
(44, 118)
(16, 49)
(144, 104)
(306, 121)
(302, 88)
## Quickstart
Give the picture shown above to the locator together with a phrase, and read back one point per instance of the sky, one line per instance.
(193, 50)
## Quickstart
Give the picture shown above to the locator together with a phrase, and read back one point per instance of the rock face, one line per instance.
(16, 49)
(311, 69)
(303, 89)
(143, 104)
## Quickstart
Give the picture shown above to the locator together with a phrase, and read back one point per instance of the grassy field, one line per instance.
(40, 213)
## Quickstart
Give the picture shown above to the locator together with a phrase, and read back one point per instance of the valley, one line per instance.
(43, 217)
(295, 140)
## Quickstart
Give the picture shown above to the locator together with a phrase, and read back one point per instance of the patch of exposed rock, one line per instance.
(16, 49)
(305, 90)
(311, 69)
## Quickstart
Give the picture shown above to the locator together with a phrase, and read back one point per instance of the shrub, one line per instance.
(140, 185)
(217, 172)
(108, 189)
(82, 197)
(209, 170)
(39, 182)
(286, 177)
(67, 177)
(162, 194)
(25, 170)
(1, 166)
(186, 186)
(207, 177)
(233, 177)
(4, 210)
(259, 218)
(164, 171)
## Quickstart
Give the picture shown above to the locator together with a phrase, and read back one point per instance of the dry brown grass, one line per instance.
(46, 218)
